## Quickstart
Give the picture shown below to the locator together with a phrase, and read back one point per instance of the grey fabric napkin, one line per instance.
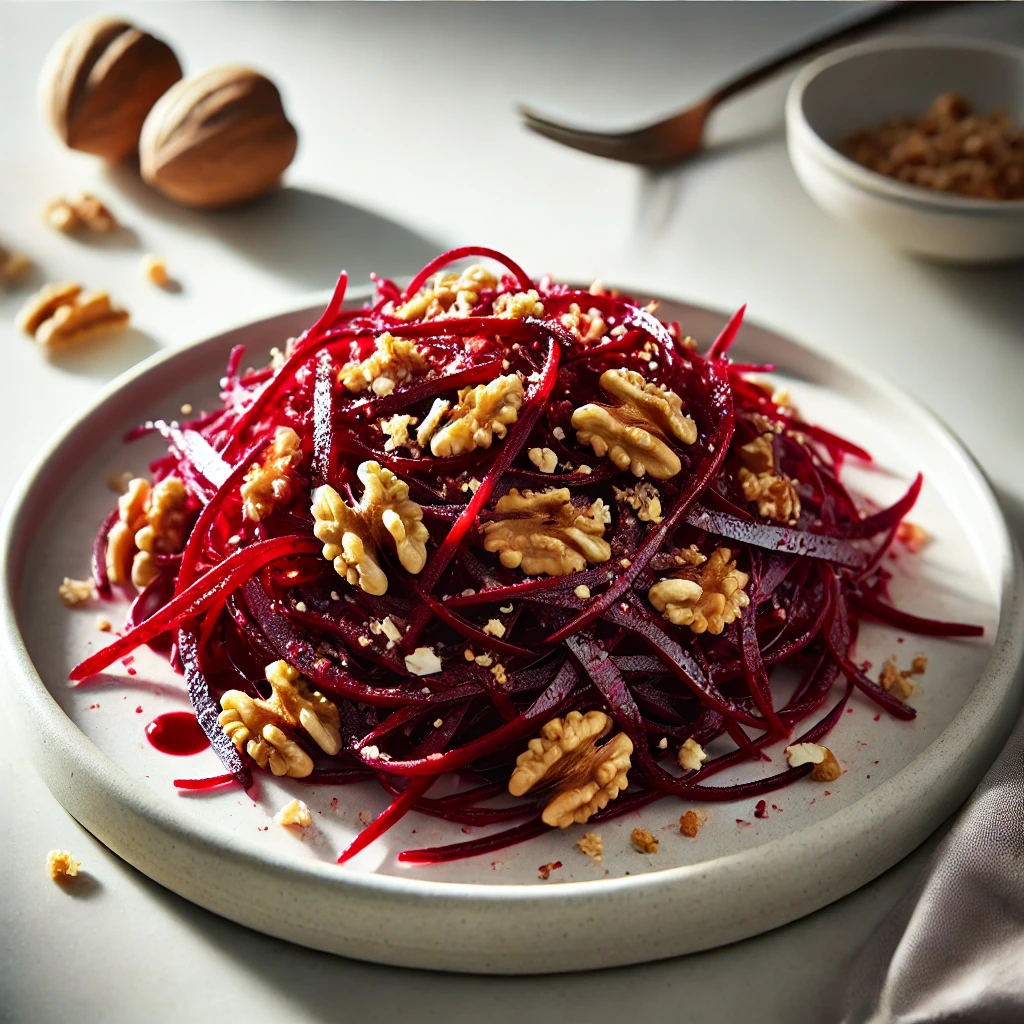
(953, 948)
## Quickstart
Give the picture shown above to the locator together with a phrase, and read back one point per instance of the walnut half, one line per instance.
(481, 414)
(151, 522)
(565, 756)
(774, 492)
(707, 599)
(255, 723)
(269, 481)
(61, 314)
(544, 533)
(393, 361)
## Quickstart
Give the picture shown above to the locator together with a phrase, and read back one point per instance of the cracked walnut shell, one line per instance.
(565, 756)
(269, 481)
(544, 533)
(393, 361)
(481, 414)
(256, 724)
(100, 81)
(774, 492)
(707, 599)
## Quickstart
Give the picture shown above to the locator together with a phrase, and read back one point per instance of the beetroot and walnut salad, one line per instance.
(513, 530)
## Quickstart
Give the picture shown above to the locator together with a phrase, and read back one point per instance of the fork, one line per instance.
(679, 137)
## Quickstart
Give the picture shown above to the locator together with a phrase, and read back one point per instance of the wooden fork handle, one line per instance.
(887, 13)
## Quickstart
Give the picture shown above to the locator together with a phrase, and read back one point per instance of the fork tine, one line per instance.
(654, 144)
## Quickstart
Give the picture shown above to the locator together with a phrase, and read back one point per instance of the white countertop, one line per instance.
(409, 144)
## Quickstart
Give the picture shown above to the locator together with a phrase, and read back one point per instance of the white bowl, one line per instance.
(859, 87)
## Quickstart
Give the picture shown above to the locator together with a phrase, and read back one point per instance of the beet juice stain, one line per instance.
(177, 732)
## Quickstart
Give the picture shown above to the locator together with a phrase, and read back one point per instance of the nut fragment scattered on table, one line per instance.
(12, 265)
(99, 82)
(900, 683)
(949, 149)
(60, 315)
(61, 865)
(82, 211)
(217, 139)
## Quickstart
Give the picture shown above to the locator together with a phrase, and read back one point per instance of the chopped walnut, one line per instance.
(643, 841)
(643, 499)
(268, 482)
(81, 211)
(151, 522)
(75, 592)
(352, 536)
(154, 270)
(774, 492)
(482, 413)
(546, 534)
(295, 814)
(60, 864)
(397, 430)
(393, 361)
(708, 599)
(900, 684)
(585, 327)
(826, 767)
(591, 845)
(565, 756)
(543, 458)
(432, 421)
(423, 662)
(451, 294)
(515, 307)
(255, 723)
(690, 824)
(633, 433)
(12, 265)
(494, 627)
(912, 536)
(691, 755)
(919, 665)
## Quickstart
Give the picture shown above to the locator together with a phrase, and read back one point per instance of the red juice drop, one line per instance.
(177, 732)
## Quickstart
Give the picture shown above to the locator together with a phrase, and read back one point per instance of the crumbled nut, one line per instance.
(481, 414)
(558, 433)
(151, 521)
(495, 628)
(500, 676)
(397, 430)
(899, 683)
(81, 211)
(690, 824)
(364, 641)
(386, 515)
(565, 756)
(774, 492)
(448, 294)
(585, 327)
(269, 481)
(154, 270)
(543, 458)
(912, 536)
(484, 659)
(708, 600)
(295, 813)
(12, 265)
(826, 767)
(591, 845)
(390, 630)
(423, 662)
(60, 864)
(643, 841)
(255, 723)
(104, 625)
(75, 592)
(643, 499)
(60, 314)
(582, 591)
(633, 432)
(689, 556)
(393, 361)
(919, 665)
(545, 533)
(432, 421)
(515, 307)
(691, 755)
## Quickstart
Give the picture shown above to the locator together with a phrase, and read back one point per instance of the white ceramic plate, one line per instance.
(741, 876)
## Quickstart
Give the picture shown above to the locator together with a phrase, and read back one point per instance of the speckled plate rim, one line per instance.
(398, 921)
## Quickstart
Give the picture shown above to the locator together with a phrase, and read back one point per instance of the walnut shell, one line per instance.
(99, 82)
(217, 139)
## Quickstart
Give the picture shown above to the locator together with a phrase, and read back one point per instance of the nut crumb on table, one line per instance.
(80, 211)
(13, 265)
(60, 865)
(544, 871)
(154, 270)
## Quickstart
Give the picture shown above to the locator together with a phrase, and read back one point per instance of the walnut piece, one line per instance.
(899, 683)
(515, 307)
(643, 499)
(385, 515)
(269, 481)
(423, 662)
(397, 430)
(481, 414)
(691, 755)
(585, 327)
(432, 420)
(690, 824)
(81, 211)
(826, 767)
(393, 361)
(154, 270)
(60, 314)
(451, 294)
(255, 723)
(12, 265)
(60, 864)
(543, 458)
(707, 599)
(643, 841)
(565, 756)
(633, 433)
(75, 592)
(151, 522)
(295, 814)
(546, 534)
(912, 536)
(591, 845)
(774, 492)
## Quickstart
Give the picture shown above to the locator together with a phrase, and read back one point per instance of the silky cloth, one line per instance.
(953, 949)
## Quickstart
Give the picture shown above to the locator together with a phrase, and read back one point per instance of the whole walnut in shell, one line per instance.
(99, 83)
(217, 139)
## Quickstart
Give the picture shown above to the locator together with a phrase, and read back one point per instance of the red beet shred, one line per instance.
(244, 593)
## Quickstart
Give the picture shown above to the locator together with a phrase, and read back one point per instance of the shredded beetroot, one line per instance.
(243, 589)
